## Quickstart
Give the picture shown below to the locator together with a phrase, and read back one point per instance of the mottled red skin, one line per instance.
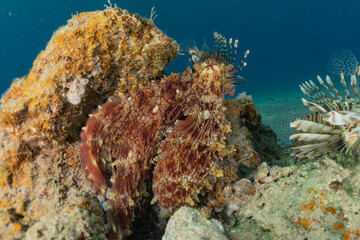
(131, 129)
(190, 152)
(188, 157)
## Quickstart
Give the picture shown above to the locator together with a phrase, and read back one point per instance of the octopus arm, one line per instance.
(125, 194)
(186, 161)
(94, 168)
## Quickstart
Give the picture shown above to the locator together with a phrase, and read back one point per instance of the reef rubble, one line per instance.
(188, 223)
(314, 200)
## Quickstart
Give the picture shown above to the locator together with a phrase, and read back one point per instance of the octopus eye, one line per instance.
(224, 52)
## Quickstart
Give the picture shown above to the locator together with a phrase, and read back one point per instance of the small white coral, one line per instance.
(76, 90)
(243, 97)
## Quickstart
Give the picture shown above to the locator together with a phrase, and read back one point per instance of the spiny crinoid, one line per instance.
(178, 123)
(334, 125)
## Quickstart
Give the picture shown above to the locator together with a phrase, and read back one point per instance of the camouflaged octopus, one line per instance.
(177, 123)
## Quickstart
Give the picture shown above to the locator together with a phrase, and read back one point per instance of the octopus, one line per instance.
(171, 133)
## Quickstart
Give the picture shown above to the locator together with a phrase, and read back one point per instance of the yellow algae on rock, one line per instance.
(85, 62)
(95, 56)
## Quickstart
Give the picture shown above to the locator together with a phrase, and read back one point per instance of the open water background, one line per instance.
(289, 41)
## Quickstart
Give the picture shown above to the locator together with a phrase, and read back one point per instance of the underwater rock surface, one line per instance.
(96, 55)
(78, 223)
(188, 224)
(317, 200)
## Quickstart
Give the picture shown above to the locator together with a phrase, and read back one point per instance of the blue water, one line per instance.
(290, 41)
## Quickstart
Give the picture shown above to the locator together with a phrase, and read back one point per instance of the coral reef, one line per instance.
(265, 143)
(252, 142)
(172, 140)
(243, 98)
(178, 123)
(316, 200)
(75, 224)
(244, 109)
(96, 55)
(252, 139)
(111, 46)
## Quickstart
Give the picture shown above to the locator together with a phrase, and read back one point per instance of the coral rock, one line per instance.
(96, 55)
(316, 200)
(263, 174)
(189, 224)
(77, 224)
(243, 117)
(251, 138)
